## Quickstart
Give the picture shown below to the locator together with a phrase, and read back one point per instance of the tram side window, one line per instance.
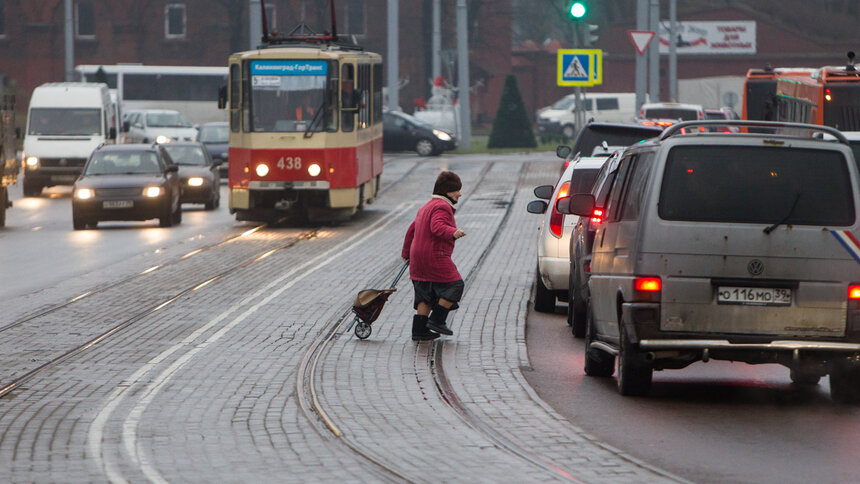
(235, 85)
(377, 93)
(347, 86)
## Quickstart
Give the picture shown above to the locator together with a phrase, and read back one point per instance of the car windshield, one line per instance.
(213, 134)
(672, 113)
(166, 120)
(564, 103)
(186, 155)
(738, 184)
(65, 121)
(582, 180)
(413, 120)
(123, 163)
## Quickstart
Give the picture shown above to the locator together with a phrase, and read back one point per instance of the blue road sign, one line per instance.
(580, 67)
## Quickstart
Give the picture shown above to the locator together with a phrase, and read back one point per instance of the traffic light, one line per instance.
(578, 10)
(589, 34)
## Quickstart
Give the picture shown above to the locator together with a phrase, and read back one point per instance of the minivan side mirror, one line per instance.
(563, 151)
(536, 206)
(581, 204)
(544, 192)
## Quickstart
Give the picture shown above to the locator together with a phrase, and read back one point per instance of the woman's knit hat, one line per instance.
(447, 182)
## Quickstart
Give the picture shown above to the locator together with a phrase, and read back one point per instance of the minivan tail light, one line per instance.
(556, 219)
(854, 292)
(647, 284)
(597, 216)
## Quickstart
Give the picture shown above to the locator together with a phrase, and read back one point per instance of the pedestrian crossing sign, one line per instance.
(580, 67)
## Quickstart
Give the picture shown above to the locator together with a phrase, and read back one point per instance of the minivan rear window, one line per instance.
(742, 184)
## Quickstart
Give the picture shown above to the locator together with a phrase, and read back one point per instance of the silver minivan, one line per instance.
(729, 246)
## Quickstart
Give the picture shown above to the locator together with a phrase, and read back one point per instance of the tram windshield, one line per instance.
(290, 96)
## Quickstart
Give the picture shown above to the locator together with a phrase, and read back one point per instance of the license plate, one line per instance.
(760, 296)
(117, 204)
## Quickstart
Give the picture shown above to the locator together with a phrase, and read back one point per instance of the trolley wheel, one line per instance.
(362, 330)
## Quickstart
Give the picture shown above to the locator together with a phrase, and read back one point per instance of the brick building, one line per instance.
(205, 32)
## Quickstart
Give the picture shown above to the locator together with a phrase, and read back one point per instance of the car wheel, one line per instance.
(804, 378)
(568, 130)
(544, 298)
(845, 384)
(78, 224)
(597, 362)
(634, 372)
(576, 310)
(166, 220)
(177, 215)
(424, 147)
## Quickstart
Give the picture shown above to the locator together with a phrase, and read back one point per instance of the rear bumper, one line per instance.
(722, 344)
(555, 272)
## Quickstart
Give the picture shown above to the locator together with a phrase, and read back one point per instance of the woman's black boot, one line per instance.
(437, 320)
(420, 331)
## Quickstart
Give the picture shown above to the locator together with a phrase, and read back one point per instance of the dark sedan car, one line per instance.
(127, 182)
(402, 132)
(199, 174)
(215, 137)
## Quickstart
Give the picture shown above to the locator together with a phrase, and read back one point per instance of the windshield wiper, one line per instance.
(317, 116)
(773, 227)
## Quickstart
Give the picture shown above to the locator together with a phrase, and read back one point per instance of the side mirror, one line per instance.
(216, 162)
(537, 206)
(544, 192)
(172, 168)
(125, 126)
(563, 151)
(581, 204)
(112, 133)
(222, 97)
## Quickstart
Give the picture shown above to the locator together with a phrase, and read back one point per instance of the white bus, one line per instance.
(191, 90)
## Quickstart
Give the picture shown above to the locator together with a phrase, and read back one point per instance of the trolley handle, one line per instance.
(400, 274)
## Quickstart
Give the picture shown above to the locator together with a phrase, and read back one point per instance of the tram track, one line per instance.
(309, 395)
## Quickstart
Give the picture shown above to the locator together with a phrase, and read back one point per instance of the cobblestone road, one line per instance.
(206, 388)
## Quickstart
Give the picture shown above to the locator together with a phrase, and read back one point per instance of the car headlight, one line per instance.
(314, 169)
(84, 193)
(195, 181)
(162, 139)
(262, 169)
(152, 192)
(442, 135)
(32, 161)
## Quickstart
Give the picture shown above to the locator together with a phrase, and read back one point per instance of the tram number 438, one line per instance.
(290, 163)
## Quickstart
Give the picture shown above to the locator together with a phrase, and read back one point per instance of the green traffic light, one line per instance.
(577, 10)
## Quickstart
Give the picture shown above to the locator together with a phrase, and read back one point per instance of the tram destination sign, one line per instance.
(289, 68)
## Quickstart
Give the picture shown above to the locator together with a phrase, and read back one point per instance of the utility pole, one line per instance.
(70, 41)
(673, 50)
(654, 53)
(255, 24)
(393, 57)
(463, 75)
(641, 60)
(436, 44)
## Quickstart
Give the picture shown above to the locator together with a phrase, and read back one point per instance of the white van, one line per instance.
(65, 122)
(604, 107)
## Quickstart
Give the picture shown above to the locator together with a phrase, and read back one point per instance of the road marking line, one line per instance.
(95, 435)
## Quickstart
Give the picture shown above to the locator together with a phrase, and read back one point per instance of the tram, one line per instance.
(305, 114)
(760, 91)
(830, 96)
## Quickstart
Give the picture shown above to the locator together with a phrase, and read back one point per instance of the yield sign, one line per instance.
(641, 39)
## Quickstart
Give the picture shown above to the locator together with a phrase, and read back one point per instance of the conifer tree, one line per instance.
(511, 128)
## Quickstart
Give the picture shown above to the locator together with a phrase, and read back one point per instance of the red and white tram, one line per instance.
(305, 128)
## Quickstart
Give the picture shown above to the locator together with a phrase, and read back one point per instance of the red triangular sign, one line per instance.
(641, 39)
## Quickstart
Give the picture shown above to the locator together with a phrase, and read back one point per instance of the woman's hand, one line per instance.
(459, 233)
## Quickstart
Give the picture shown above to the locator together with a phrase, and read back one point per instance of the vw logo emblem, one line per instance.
(755, 267)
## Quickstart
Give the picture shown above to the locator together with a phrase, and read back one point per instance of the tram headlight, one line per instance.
(314, 169)
(162, 139)
(32, 162)
(262, 169)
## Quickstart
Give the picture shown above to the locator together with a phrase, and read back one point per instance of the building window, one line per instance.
(271, 18)
(350, 17)
(174, 21)
(2, 20)
(85, 25)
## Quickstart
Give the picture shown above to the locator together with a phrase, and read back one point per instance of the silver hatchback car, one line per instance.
(729, 246)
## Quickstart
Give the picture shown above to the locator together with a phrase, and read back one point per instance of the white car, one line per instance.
(553, 265)
(684, 112)
(157, 126)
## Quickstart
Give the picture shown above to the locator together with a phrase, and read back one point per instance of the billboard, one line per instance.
(710, 37)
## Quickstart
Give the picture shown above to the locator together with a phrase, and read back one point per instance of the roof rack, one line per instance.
(676, 128)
